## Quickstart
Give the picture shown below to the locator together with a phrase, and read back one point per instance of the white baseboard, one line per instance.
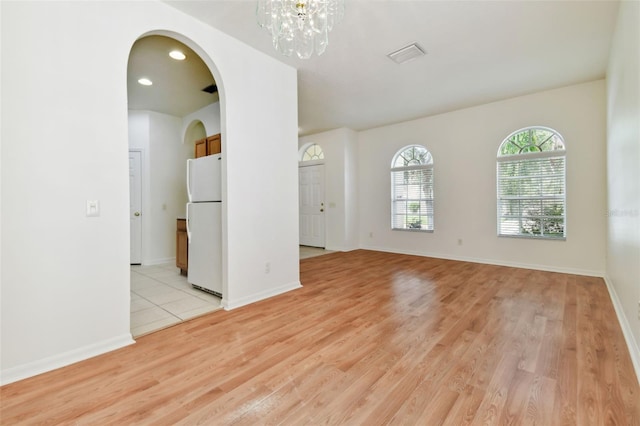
(160, 261)
(574, 271)
(632, 345)
(34, 368)
(343, 249)
(233, 304)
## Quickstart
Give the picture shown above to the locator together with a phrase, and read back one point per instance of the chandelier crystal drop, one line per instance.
(300, 26)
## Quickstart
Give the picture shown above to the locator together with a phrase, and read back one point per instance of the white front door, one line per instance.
(312, 206)
(135, 205)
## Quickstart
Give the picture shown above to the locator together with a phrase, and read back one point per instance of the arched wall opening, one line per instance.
(83, 102)
(195, 130)
(170, 142)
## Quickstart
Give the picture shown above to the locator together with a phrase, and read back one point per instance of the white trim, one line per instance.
(563, 270)
(310, 163)
(161, 261)
(407, 168)
(340, 248)
(144, 195)
(560, 153)
(34, 368)
(632, 345)
(233, 304)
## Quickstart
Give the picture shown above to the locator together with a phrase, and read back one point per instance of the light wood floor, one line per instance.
(372, 338)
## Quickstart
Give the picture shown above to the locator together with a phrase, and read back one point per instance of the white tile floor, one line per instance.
(307, 252)
(161, 297)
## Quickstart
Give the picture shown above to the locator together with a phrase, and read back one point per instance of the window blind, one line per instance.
(531, 195)
(412, 198)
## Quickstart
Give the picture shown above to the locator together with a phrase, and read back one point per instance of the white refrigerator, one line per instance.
(204, 223)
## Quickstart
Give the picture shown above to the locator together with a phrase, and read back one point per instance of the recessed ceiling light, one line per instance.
(145, 81)
(177, 55)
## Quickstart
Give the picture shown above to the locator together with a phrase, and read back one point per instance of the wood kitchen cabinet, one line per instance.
(182, 246)
(208, 146)
(201, 148)
(214, 145)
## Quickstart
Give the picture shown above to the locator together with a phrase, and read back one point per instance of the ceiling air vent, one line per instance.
(406, 53)
(211, 89)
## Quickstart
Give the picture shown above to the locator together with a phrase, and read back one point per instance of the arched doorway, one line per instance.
(168, 83)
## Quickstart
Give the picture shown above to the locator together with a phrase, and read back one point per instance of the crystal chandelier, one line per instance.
(300, 26)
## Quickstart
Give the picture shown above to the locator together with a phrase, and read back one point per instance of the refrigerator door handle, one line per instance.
(189, 181)
(188, 218)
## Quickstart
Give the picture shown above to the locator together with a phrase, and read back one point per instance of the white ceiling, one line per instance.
(477, 52)
(177, 85)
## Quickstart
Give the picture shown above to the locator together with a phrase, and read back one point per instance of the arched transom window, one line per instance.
(531, 173)
(313, 153)
(412, 189)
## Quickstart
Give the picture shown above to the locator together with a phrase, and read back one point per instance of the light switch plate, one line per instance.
(93, 208)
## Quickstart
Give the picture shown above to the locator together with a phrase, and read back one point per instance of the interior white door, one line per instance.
(311, 196)
(135, 206)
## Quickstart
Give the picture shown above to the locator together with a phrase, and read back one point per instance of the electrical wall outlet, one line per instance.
(267, 267)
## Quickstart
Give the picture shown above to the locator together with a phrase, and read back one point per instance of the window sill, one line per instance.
(430, 231)
(534, 237)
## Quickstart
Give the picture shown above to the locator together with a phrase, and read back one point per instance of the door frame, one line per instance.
(144, 191)
(302, 164)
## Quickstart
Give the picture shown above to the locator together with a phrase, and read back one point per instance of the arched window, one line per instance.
(313, 153)
(412, 189)
(531, 184)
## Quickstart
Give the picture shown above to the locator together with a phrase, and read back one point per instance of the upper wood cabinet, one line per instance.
(214, 145)
(209, 145)
(201, 148)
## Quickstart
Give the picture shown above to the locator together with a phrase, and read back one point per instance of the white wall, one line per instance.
(351, 236)
(340, 186)
(65, 277)
(164, 193)
(623, 174)
(138, 130)
(194, 132)
(209, 116)
(166, 143)
(139, 134)
(168, 185)
(464, 145)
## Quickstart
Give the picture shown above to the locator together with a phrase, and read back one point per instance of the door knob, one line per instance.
(136, 214)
